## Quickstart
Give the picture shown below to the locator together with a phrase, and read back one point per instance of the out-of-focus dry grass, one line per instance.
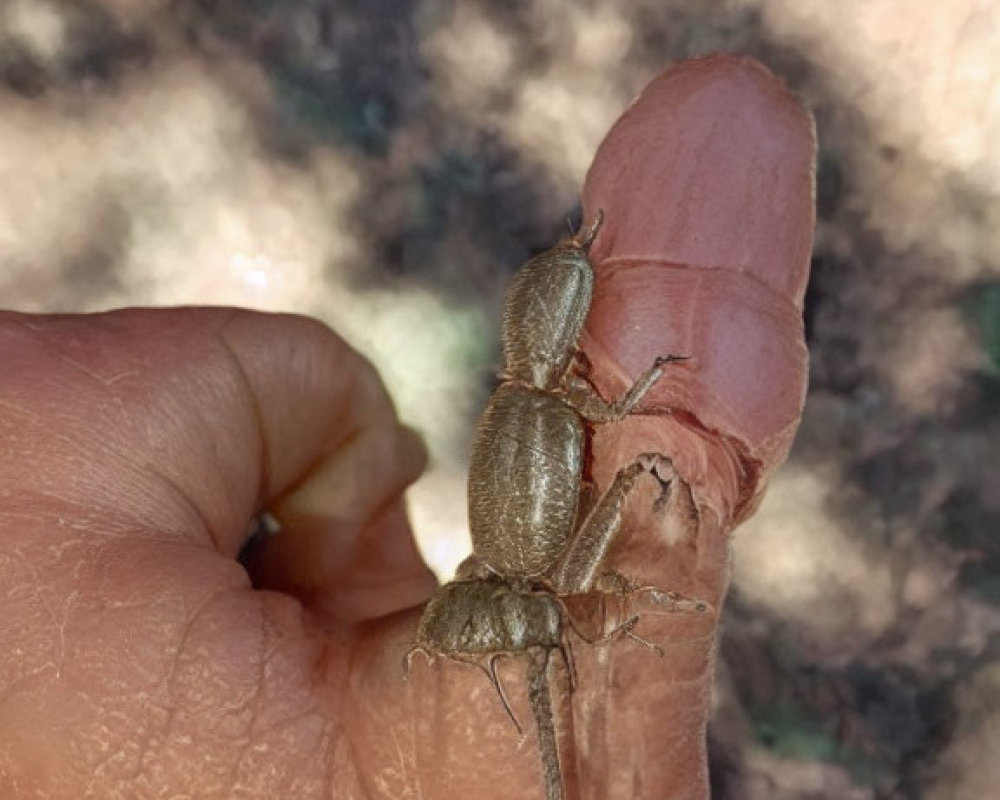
(385, 167)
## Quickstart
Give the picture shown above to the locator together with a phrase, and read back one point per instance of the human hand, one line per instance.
(139, 446)
(705, 184)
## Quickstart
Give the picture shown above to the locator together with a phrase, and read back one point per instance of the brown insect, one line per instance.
(525, 477)
(527, 460)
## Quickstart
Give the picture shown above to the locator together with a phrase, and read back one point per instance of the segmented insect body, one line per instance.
(525, 476)
(527, 459)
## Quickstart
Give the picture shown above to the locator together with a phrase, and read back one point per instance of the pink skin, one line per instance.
(706, 184)
(135, 659)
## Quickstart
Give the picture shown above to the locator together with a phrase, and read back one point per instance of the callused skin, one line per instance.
(525, 475)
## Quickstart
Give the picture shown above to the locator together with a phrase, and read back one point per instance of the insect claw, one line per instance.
(669, 359)
(627, 631)
(408, 659)
(587, 239)
(646, 643)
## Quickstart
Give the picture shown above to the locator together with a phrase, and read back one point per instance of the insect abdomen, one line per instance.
(524, 481)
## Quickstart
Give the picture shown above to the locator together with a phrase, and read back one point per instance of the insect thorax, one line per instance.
(488, 616)
(544, 312)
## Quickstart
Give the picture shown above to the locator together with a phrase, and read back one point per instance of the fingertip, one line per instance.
(707, 185)
(712, 166)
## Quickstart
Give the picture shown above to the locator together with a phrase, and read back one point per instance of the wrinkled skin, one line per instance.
(137, 661)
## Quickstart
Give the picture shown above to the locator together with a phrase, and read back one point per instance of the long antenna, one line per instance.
(503, 695)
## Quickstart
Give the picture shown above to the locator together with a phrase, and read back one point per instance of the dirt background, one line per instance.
(385, 166)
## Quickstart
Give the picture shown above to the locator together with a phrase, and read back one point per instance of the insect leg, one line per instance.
(581, 562)
(594, 408)
(541, 705)
(627, 629)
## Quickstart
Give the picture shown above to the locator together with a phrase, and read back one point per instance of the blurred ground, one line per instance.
(386, 166)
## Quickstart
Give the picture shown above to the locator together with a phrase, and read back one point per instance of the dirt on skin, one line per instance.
(387, 167)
